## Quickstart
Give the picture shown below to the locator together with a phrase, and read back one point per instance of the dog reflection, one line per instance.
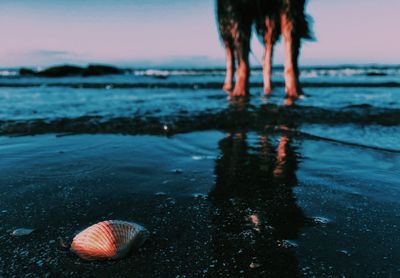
(255, 208)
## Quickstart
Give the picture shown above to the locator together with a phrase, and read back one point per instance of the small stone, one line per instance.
(22, 232)
(62, 244)
(289, 244)
(321, 220)
(344, 252)
(161, 193)
(254, 265)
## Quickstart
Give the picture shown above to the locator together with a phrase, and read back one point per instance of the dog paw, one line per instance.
(267, 90)
(294, 92)
(239, 93)
(227, 88)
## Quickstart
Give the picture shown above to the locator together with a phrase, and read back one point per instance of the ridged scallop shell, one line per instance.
(112, 239)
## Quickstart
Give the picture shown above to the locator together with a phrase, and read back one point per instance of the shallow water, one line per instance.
(227, 187)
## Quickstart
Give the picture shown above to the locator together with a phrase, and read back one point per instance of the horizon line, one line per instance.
(198, 66)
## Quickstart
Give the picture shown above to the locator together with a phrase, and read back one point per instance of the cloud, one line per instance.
(41, 57)
(52, 53)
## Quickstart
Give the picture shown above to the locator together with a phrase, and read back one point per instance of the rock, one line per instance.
(22, 232)
(27, 72)
(96, 70)
(71, 70)
(61, 71)
(254, 265)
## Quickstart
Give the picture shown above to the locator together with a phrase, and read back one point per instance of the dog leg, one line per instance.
(292, 46)
(242, 47)
(242, 77)
(230, 67)
(269, 40)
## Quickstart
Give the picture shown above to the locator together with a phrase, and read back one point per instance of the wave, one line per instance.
(278, 71)
(306, 72)
(9, 72)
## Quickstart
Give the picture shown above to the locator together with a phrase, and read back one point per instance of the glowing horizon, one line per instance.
(154, 32)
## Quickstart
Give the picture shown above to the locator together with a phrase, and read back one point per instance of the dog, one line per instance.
(272, 18)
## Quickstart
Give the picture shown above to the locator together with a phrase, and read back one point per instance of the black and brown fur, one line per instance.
(272, 18)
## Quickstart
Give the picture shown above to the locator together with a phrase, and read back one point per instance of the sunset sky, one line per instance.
(181, 32)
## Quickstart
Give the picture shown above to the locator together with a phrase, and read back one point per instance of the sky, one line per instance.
(182, 33)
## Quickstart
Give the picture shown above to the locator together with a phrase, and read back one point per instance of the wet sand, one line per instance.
(216, 204)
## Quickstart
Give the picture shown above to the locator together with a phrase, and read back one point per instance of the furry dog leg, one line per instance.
(292, 46)
(235, 19)
(270, 37)
(242, 47)
(230, 67)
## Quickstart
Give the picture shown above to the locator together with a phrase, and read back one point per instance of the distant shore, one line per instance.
(70, 70)
(65, 70)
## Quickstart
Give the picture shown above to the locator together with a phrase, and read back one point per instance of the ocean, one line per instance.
(227, 187)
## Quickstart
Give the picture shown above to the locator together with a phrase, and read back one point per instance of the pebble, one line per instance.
(321, 220)
(161, 194)
(22, 232)
(344, 252)
(254, 265)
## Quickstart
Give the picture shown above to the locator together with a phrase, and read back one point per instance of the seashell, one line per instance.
(112, 239)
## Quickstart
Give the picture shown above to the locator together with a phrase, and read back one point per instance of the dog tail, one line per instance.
(294, 8)
(305, 22)
(305, 29)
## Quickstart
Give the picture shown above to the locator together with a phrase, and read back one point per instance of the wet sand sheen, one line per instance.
(233, 203)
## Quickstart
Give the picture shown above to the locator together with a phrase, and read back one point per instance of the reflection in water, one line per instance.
(255, 207)
(238, 103)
